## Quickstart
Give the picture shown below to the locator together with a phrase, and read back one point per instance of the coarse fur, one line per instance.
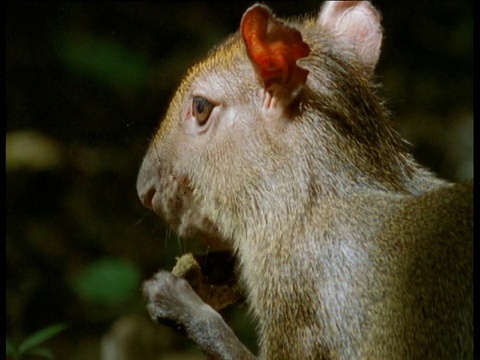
(347, 247)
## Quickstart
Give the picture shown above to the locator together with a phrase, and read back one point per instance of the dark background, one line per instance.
(86, 85)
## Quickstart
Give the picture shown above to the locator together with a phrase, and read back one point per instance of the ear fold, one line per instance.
(357, 24)
(274, 48)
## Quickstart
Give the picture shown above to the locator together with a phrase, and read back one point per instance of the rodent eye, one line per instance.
(201, 109)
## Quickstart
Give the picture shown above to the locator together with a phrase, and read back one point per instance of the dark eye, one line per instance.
(201, 109)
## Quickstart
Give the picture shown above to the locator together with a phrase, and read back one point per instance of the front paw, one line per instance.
(171, 300)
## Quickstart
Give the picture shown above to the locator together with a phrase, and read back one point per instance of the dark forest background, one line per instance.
(86, 85)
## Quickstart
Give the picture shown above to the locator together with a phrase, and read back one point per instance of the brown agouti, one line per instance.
(278, 146)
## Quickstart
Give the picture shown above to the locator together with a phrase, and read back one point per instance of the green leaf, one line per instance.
(107, 281)
(42, 352)
(40, 336)
(10, 348)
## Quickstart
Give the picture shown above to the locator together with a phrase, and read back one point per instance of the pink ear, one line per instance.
(357, 24)
(274, 48)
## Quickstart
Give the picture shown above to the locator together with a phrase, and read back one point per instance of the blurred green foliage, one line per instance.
(107, 281)
(32, 345)
(104, 61)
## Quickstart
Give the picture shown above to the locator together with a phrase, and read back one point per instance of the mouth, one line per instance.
(172, 199)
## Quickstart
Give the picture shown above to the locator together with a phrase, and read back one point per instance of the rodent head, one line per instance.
(278, 114)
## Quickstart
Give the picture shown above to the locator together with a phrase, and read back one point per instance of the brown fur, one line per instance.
(347, 247)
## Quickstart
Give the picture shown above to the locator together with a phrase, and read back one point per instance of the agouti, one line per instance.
(277, 145)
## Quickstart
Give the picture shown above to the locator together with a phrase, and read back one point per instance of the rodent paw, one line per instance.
(170, 298)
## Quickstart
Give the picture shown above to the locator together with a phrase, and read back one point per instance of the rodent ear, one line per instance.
(274, 48)
(356, 23)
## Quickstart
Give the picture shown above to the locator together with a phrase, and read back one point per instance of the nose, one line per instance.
(146, 183)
